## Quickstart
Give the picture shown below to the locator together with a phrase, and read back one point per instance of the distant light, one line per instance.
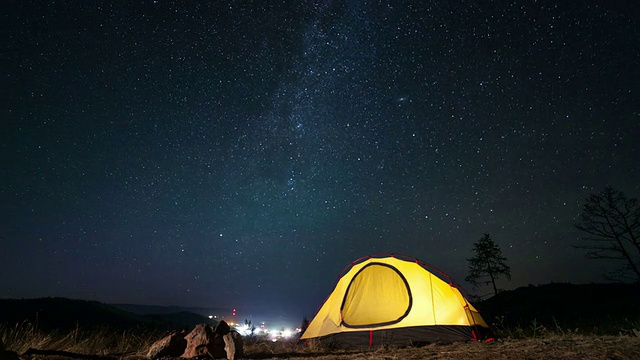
(244, 330)
(287, 333)
(210, 316)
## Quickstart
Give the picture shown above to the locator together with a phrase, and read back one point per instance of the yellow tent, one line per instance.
(394, 301)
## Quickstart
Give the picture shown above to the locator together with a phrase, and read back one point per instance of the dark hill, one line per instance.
(595, 308)
(64, 314)
(175, 321)
(158, 309)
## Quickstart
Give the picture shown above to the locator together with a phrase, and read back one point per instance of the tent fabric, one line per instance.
(394, 301)
(410, 336)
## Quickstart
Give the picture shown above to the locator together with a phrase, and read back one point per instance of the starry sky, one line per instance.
(242, 153)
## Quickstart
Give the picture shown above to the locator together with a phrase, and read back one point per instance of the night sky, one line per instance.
(242, 153)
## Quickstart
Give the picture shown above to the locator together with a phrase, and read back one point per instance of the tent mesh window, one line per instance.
(378, 287)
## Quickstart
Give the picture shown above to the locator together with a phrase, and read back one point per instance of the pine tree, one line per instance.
(488, 264)
(304, 325)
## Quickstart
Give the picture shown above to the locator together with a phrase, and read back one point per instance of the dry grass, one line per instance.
(101, 341)
(549, 347)
(132, 346)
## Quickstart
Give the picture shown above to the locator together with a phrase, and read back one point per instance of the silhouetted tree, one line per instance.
(611, 224)
(304, 325)
(488, 264)
(250, 326)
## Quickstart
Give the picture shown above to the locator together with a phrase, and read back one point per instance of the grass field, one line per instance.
(100, 341)
(548, 344)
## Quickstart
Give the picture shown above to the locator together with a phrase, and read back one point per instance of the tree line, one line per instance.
(610, 228)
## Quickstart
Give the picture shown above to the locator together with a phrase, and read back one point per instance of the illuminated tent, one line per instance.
(387, 300)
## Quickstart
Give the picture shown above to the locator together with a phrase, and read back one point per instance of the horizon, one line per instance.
(291, 319)
(275, 321)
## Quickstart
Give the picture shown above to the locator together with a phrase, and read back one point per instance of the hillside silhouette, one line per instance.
(593, 308)
(55, 313)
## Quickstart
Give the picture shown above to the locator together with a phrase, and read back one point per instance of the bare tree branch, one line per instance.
(611, 224)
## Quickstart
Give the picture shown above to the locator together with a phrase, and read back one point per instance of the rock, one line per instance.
(233, 345)
(229, 346)
(172, 345)
(217, 348)
(222, 328)
(221, 343)
(237, 338)
(200, 342)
